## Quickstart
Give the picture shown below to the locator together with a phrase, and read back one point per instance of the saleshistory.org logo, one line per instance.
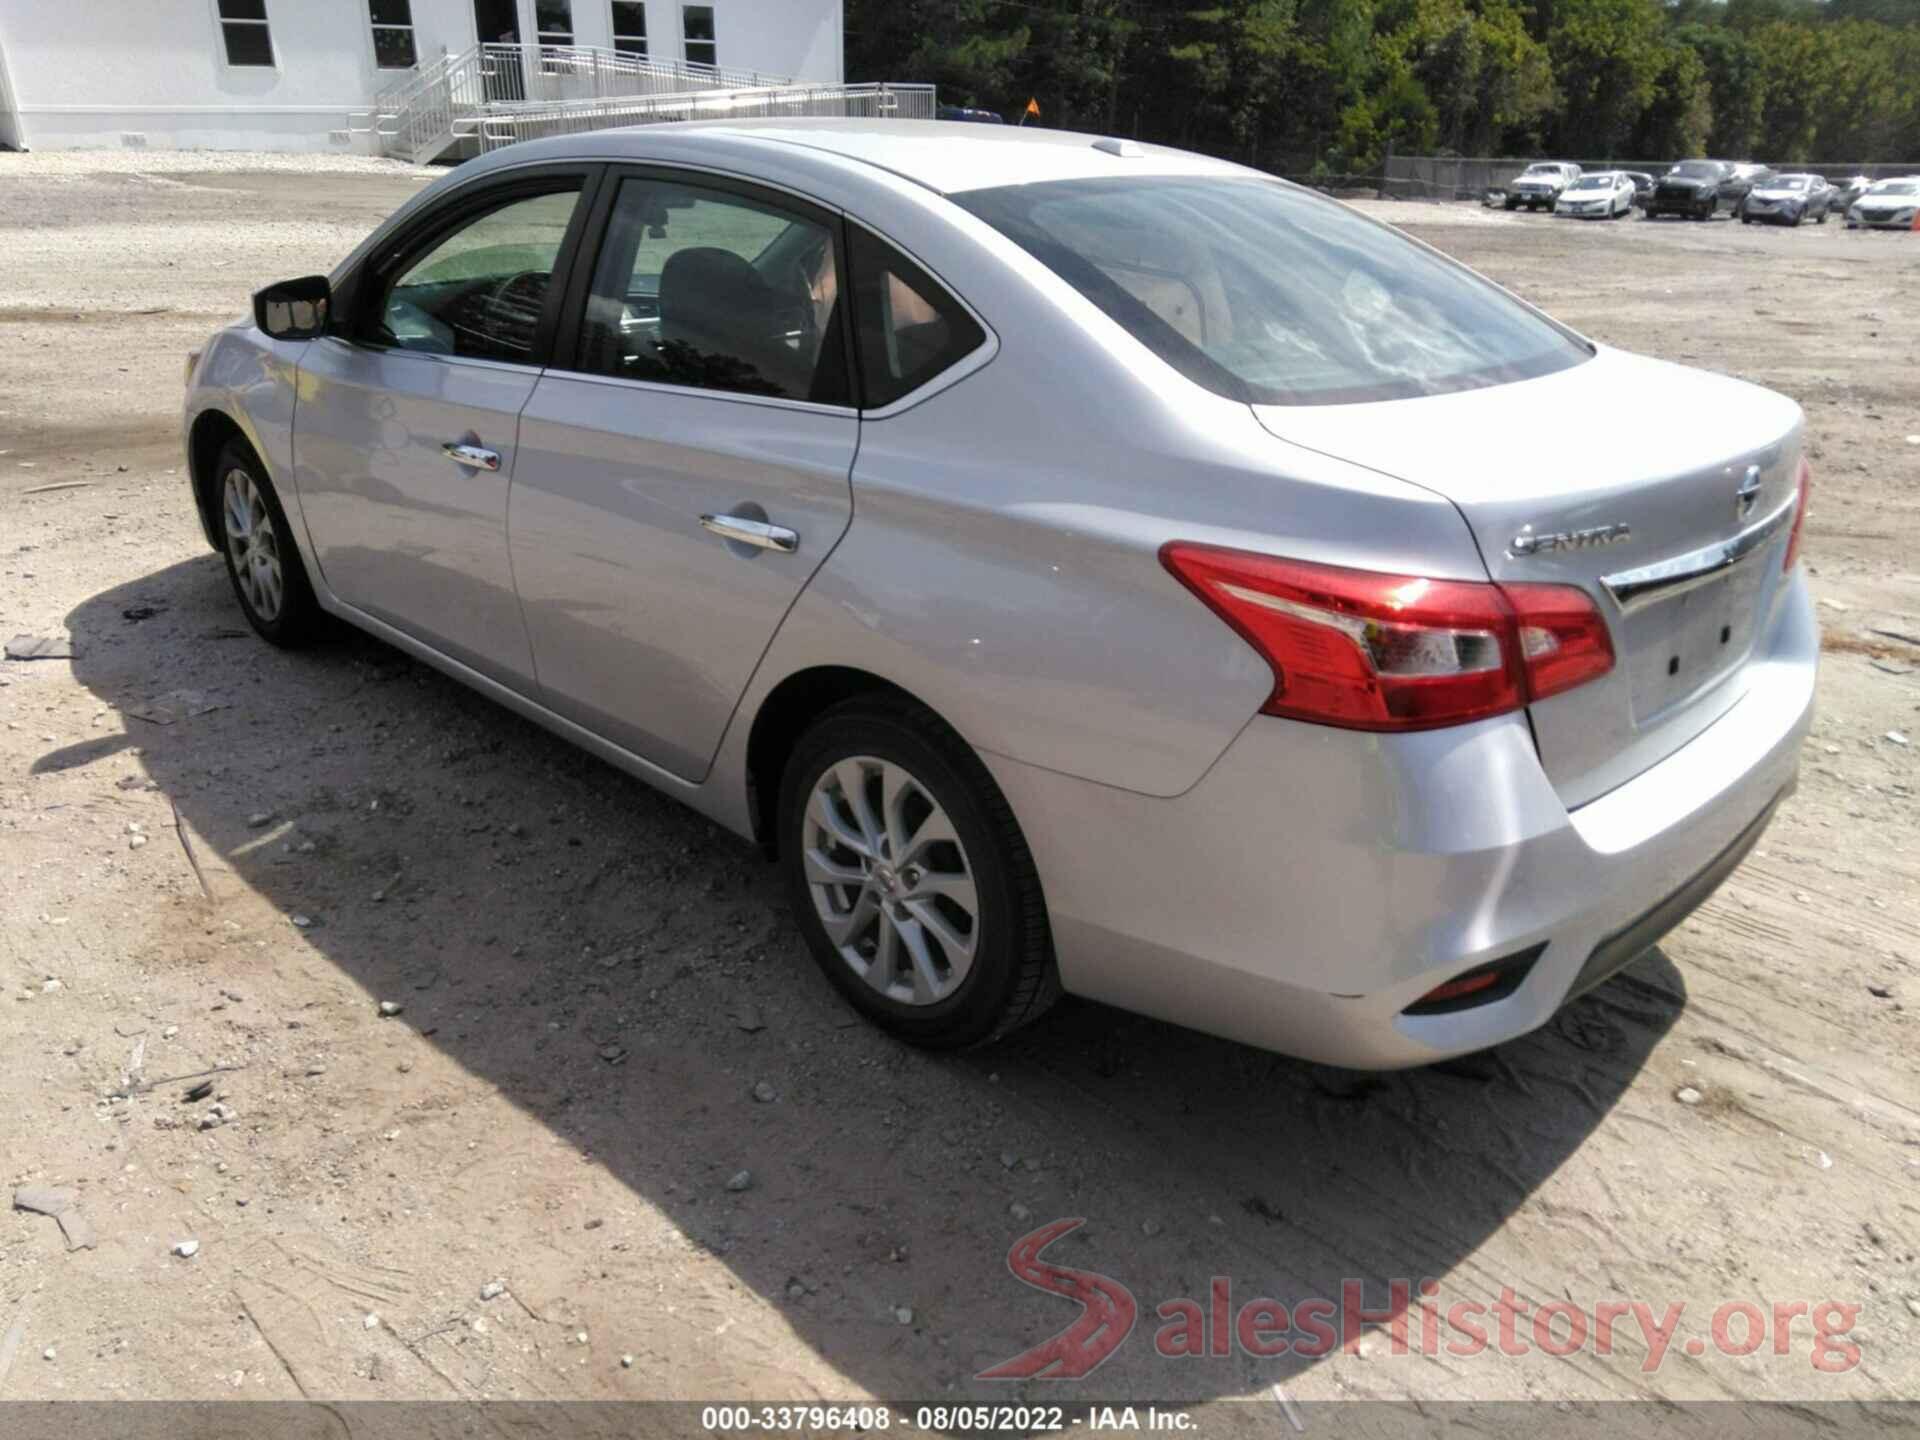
(1413, 1320)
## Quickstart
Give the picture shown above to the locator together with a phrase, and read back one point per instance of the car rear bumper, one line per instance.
(1316, 882)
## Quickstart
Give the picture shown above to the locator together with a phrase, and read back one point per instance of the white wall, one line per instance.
(94, 72)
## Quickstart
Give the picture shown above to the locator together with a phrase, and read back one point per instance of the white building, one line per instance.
(288, 74)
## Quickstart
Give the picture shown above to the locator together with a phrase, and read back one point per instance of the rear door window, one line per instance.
(716, 290)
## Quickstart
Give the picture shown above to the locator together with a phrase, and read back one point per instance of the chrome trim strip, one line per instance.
(1633, 589)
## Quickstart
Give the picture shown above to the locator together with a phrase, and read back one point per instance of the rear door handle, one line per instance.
(474, 457)
(753, 532)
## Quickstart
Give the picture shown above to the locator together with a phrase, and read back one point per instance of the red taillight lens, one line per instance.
(1799, 518)
(1563, 640)
(1370, 651)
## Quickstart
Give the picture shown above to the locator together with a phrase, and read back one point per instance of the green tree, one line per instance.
(1679, 116)
(1605, 55)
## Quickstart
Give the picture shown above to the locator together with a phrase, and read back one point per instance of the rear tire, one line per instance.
(892, 831)
(263, 562)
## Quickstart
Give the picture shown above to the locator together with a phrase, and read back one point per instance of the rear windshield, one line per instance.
(1272, 295)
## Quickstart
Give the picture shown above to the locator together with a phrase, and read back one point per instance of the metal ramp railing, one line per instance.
(446, 99)
(504, 125)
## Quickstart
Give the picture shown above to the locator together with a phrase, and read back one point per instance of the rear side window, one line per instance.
(1274, 296)
(909, 329)
(716, 290)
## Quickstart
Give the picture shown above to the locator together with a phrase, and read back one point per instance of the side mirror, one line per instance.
(294, 309)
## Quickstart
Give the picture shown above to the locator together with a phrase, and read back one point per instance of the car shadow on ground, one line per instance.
(624, 972)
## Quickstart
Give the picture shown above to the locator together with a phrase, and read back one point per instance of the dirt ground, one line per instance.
(215, 857)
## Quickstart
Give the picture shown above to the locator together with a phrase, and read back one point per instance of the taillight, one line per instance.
(1370, 651)
(1799, 518)
(1563, 641)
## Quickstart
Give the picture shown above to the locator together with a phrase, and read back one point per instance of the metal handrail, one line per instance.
(504, 125)
(422, 113)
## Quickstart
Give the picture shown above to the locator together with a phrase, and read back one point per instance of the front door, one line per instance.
(404, 433)
(680, 482)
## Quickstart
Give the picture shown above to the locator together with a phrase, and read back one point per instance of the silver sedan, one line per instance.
(1086, 567)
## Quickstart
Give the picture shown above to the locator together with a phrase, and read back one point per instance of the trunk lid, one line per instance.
(1663, 492)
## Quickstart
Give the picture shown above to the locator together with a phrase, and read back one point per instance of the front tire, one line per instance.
(263, 563)
(910, 878)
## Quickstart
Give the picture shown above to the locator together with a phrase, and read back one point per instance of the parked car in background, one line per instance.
(1603, 195)
(1789, 199)
(1691, 189)
(1229, 674)
(1846, 191)
(963, 112)
(1886, 205)
(1642, 185)
(1740, 182)
(1540, 184)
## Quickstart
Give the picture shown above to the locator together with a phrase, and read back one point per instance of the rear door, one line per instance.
(404, 435)
(684, 471)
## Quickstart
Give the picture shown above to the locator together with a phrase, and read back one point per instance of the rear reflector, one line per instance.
(1371, 651)
(1799, 517)
(1481, 985)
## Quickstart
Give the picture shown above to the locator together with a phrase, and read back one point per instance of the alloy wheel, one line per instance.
(253, 545)
(890, 880)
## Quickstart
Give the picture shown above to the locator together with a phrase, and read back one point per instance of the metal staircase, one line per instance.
(494, 94)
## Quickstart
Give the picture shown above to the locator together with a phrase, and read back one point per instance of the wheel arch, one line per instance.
(211, 431)
(789, 708)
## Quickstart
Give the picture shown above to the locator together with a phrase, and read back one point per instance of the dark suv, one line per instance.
(1694, 189)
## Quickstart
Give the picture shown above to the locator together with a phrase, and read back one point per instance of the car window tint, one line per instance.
(1273, 295)
(480, 290)
(714, 290)
(908, 328)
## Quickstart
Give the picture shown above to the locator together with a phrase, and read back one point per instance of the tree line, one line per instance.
(1327, 86)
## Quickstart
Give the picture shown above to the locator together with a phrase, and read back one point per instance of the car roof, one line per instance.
(943, 155)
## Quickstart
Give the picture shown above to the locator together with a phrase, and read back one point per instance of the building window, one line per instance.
(243, 27)
(696, 28)
(553, 19)
(392, 34)
(630, 26)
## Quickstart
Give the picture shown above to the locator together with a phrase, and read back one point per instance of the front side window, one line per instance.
(480, 291)
(630, 27)
(906, 327)
(1272, 295)
(702, 46)
(393, 47)
(714, 290)
(244, 32)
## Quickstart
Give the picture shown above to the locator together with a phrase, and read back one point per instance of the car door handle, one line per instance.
(753, 532)
(474, 457)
